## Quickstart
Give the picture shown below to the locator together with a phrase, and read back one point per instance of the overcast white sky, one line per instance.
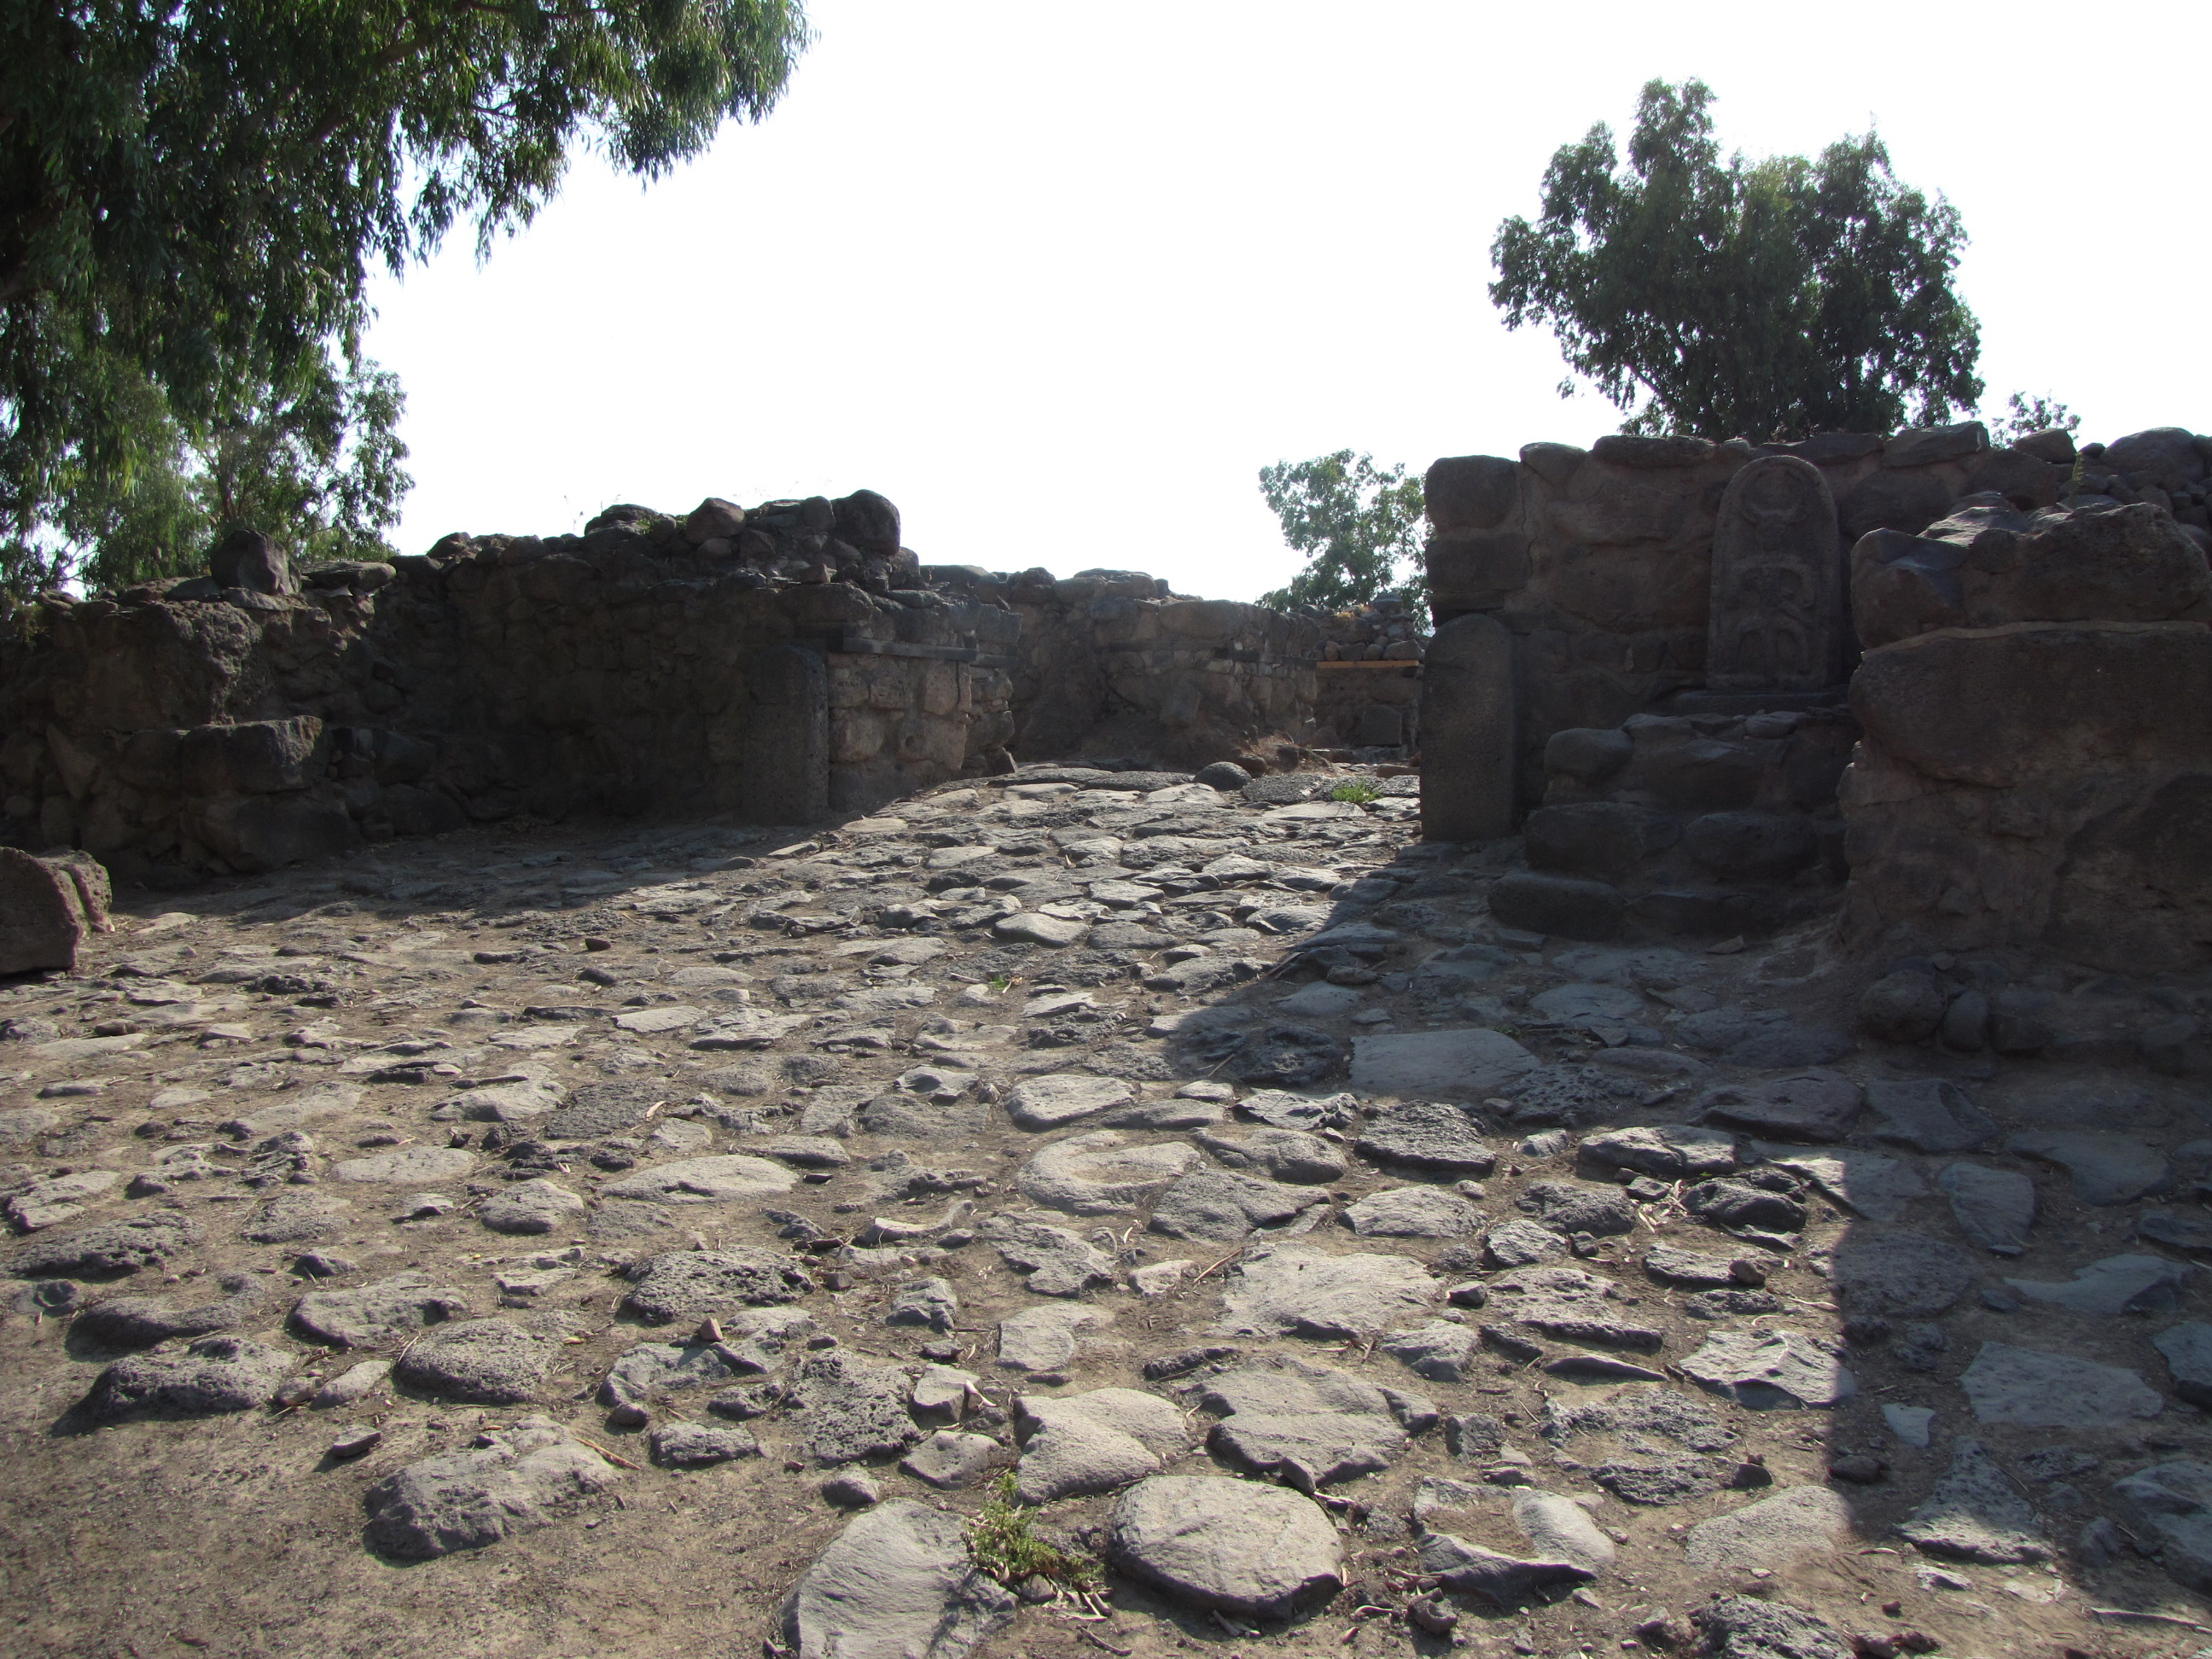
(1058, 279)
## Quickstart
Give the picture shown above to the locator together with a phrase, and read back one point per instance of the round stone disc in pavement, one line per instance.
(1236, 1546)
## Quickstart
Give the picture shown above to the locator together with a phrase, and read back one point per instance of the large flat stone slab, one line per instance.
(1469, 1064)
(898, 1584)
(1085, 1443)
(1797, 1522)
(2106, 1168)
(1310, 1425)
(1236, 1546)
(1976, 1513)
(528, 1474)
(2037, 1390)
(722, 1180)
(1291, 1292)
(1767, 1370)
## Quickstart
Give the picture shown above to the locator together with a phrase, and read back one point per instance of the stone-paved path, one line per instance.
(572, 1242)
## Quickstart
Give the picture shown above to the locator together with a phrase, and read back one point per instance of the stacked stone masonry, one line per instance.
(2020, 633)
(775, 666)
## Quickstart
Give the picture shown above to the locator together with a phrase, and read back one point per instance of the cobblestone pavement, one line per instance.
(575, 1242)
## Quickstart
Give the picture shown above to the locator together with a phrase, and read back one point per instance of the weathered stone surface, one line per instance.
(701, 1445)
(390, 1310)
(140, 1322)
(1602, 838)
(1995, 1207)
(1559, 1529)
(1772, 1369)
(951, 1461)
(1747, 1627)
(1424, 1135)
(1278, 1154)
(711, 1283)
(1797, 1522)
(215, 1374)
(652, 1369)
(528, 1474)
(1671, 1150)
(1976, 1513)
(1640, 1413)
(1572, 1305)
(1698, 1272)
(423, 1164)
(1283, 1291)
(1521, 1244)
(1927, 1114)
(1880, 1189)
(2115, 1284)
(1986, 567)
(847, 1410)
(2172, 1501)
(1811, 1106)
(1045, 1337)
(1895, 1272)
(1753, 846)
(1500, 1579)
(1437, 1352)
(483, 1362)
(110, 1249)
(1045, 1103)
(2034, 1389)
(1236, 1545)
(1221, 1206)
(2106, 1168)
(1777, 613)
(1670, 1480)
(785, 778)
(1411, 1212)
(1058, 1263)
(1470, 721)
(1569, 1207)
(1472, 1061)
(1101, 1173)
(721, 1180)
(532, 1206)
(2053, 733)
(898, 1584)
(1094, 1442)
(48, 906)
(2187, 1350)
(1571, 907)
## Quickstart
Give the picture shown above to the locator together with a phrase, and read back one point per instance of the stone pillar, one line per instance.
(1777, 616)
(1470, 732)
(787, 751)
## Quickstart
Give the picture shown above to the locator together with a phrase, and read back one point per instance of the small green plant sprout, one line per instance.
(1358, 792)
(1001, 982)
(1003, 1544)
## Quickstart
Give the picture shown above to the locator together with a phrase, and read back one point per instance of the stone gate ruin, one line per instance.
(776, 665)
(1714, 682)
(1961, 692)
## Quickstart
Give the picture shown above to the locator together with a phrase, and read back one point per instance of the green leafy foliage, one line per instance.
(191, 195)
(314, 463)
(1743, 298)
(1358, 792)
(2023, 414)
(1359, 526)
(1004, 1544)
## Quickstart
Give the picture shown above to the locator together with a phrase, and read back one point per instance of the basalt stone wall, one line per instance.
(1113, 661)
(1601, 563)
(650, 665)
(1369, 678)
